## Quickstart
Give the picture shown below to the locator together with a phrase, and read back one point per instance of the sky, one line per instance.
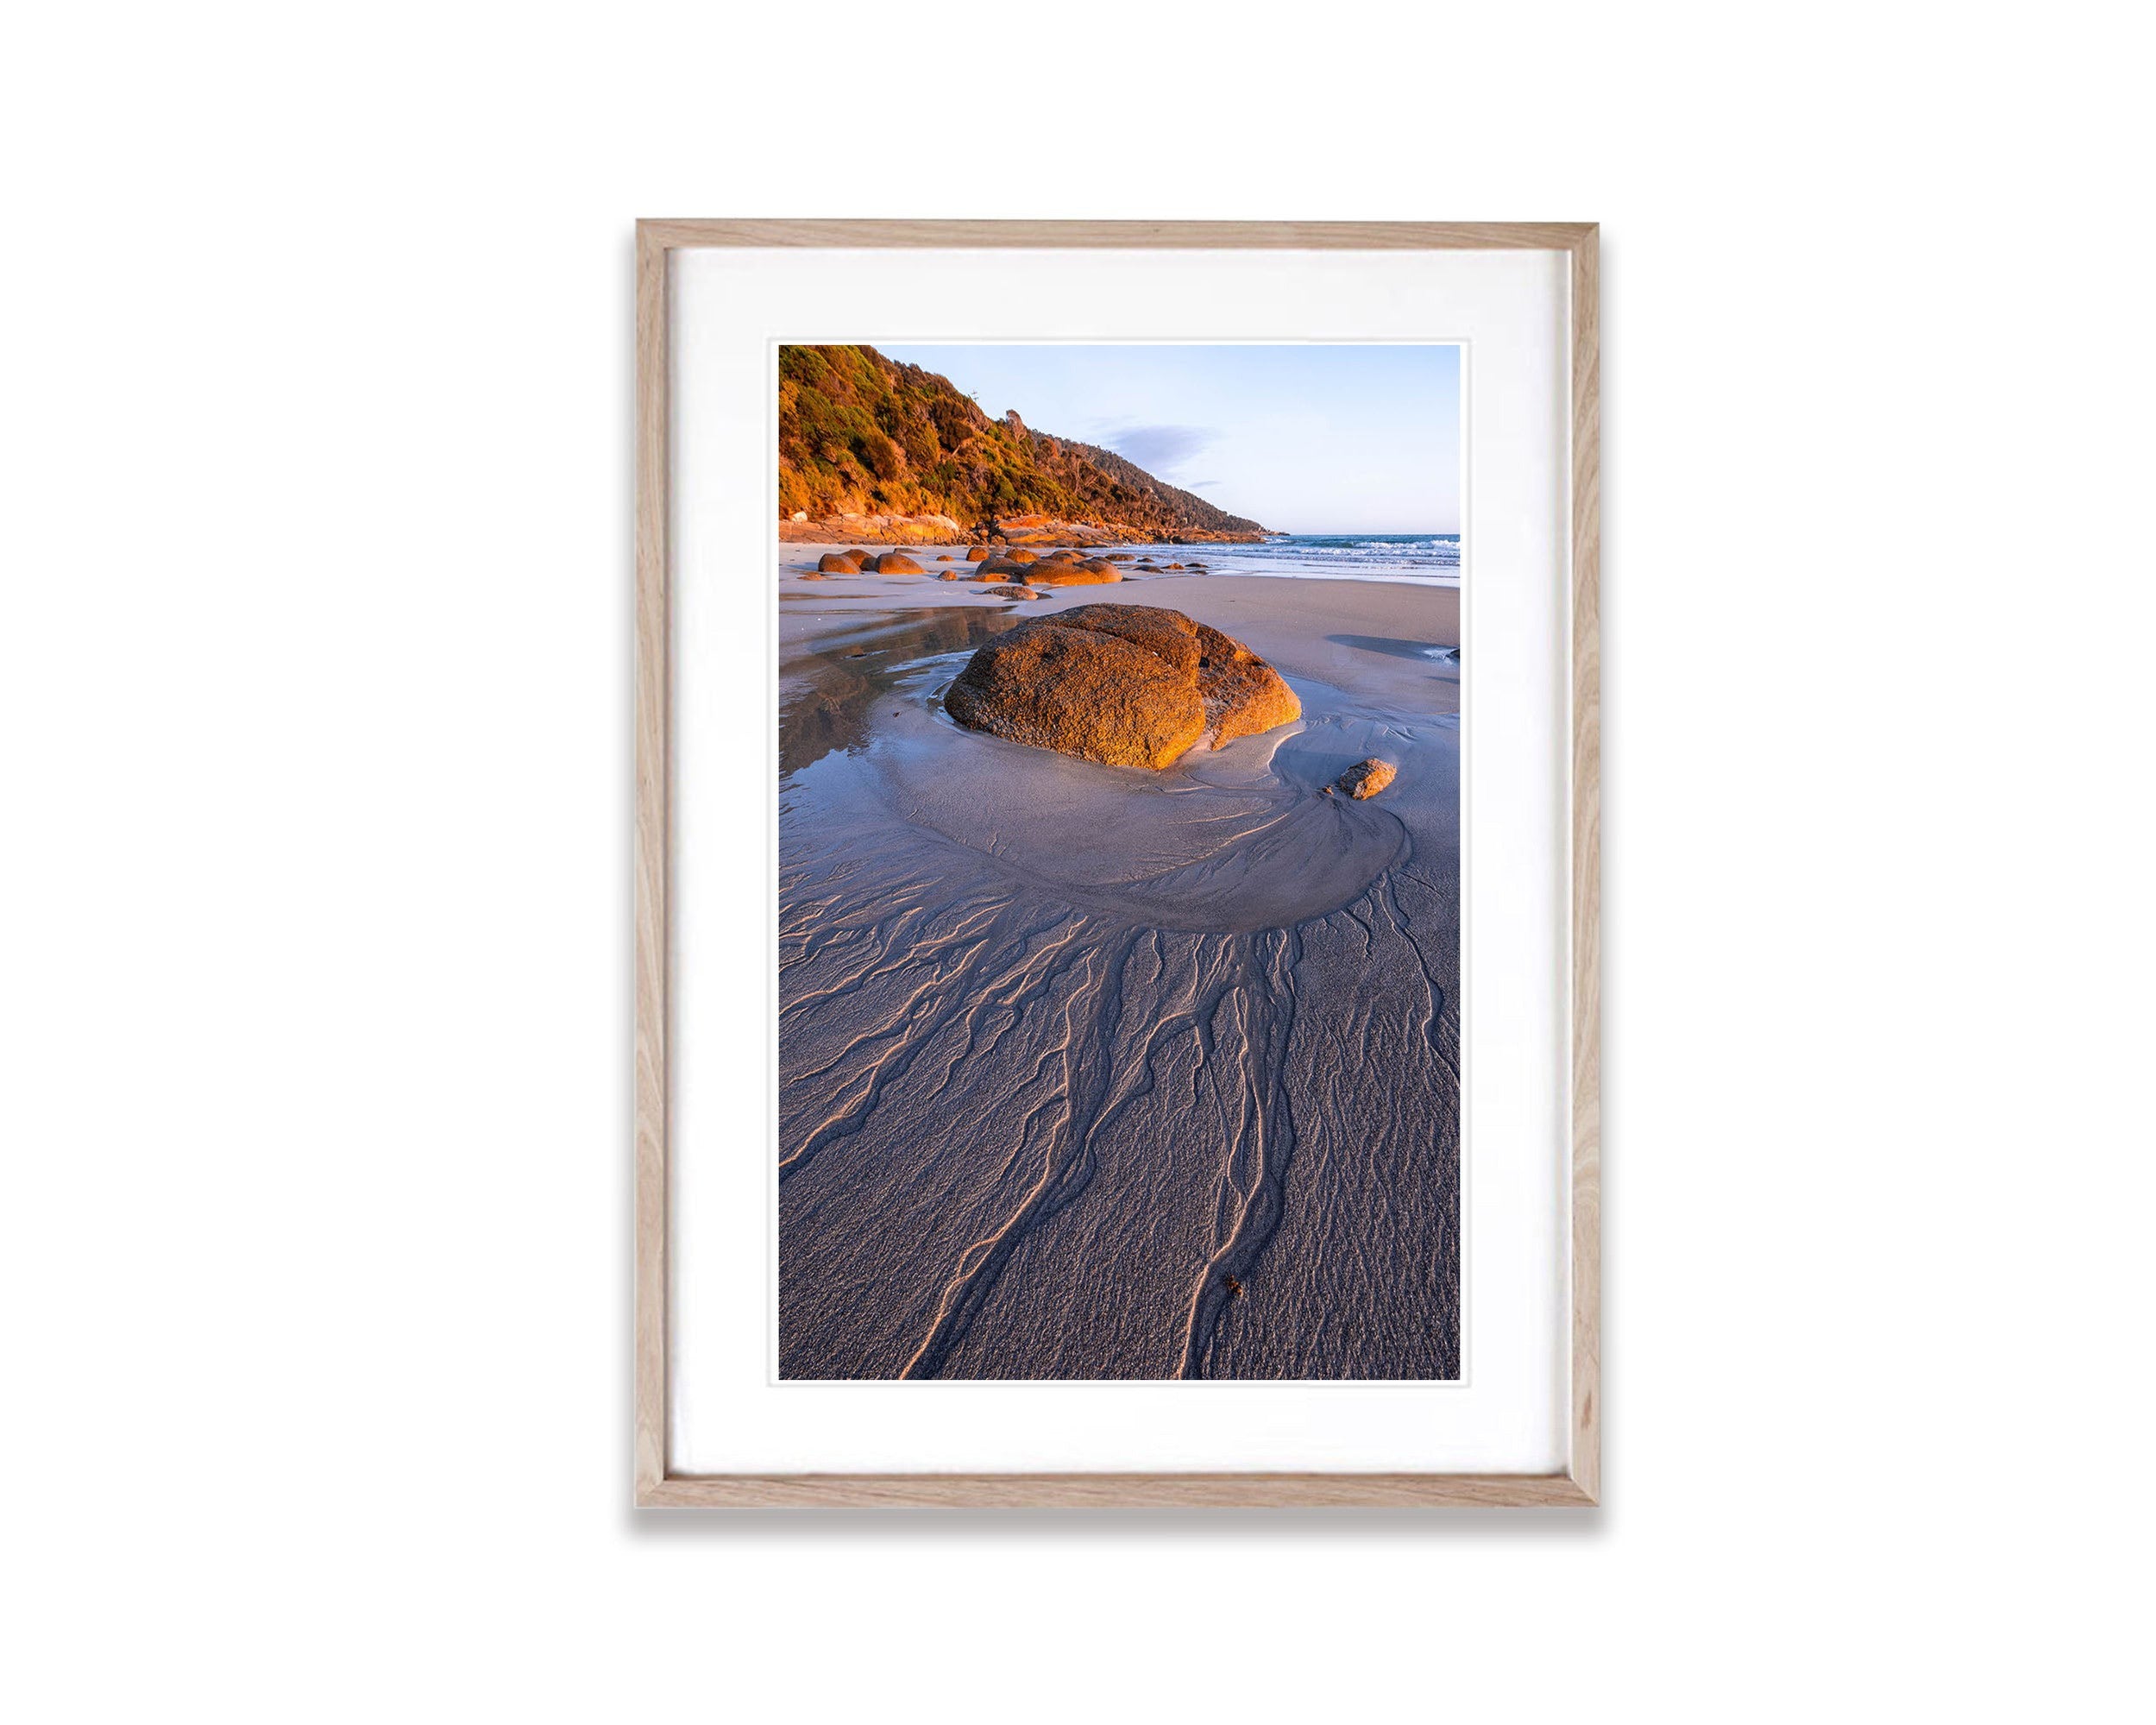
(1316, 437)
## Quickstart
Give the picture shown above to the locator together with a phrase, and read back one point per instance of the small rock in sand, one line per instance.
(1011, 590)
(1366, 778)
(976, 553)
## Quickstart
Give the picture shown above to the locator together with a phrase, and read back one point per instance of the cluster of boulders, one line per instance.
(1050, 568)
(1048, 530)
(860, 563)
(912, 530)
(1127, 685)
(1006, 565)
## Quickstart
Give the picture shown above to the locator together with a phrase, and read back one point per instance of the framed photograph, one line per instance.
(1116, 852)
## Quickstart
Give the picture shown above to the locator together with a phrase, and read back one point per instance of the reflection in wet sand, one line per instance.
(825, 696)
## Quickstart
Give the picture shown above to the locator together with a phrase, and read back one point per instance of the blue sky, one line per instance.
(1307, 438)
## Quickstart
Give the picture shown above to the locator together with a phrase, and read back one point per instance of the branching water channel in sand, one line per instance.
(1091, 1072)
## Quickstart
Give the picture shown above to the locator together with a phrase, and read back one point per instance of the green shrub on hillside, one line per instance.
(860, 434)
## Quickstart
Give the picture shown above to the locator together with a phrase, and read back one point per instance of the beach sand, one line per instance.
(1090, 1072)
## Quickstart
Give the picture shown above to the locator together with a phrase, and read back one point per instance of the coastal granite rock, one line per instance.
(1366, 778)
(905, 529)
(1056, 569)
(1127, 685)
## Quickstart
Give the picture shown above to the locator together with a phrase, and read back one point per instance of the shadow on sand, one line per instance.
(1392, 647)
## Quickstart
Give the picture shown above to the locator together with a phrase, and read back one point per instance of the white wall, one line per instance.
(313, 941)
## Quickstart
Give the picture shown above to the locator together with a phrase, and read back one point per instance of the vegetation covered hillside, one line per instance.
(861, 435)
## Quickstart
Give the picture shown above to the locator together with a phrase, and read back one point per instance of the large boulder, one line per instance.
(1127, 685)
(896, 562)
(976, 553)
(839, 563)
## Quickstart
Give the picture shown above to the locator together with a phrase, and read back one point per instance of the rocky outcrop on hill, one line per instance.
(893, 530)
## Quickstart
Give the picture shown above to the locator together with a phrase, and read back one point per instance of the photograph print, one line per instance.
(1119, 792)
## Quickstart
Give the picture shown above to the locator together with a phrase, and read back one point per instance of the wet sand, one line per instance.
(1091, 1072)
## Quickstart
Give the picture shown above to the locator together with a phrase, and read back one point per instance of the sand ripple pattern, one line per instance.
(1032, 1131)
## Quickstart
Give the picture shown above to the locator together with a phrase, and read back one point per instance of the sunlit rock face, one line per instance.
(1366, 778)
(1127, 685)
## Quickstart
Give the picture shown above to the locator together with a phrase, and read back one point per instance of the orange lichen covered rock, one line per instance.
(1366, 778)
(1243, 694)
(1127, 685)
(839, 563)
(1072, 574)
(896, 562)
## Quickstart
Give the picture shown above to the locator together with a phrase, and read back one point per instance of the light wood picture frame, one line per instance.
(1579, 1481)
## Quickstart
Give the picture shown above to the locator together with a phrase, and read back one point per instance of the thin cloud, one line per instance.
(1158, 448)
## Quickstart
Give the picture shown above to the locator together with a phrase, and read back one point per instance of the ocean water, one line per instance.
(1428, 558)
